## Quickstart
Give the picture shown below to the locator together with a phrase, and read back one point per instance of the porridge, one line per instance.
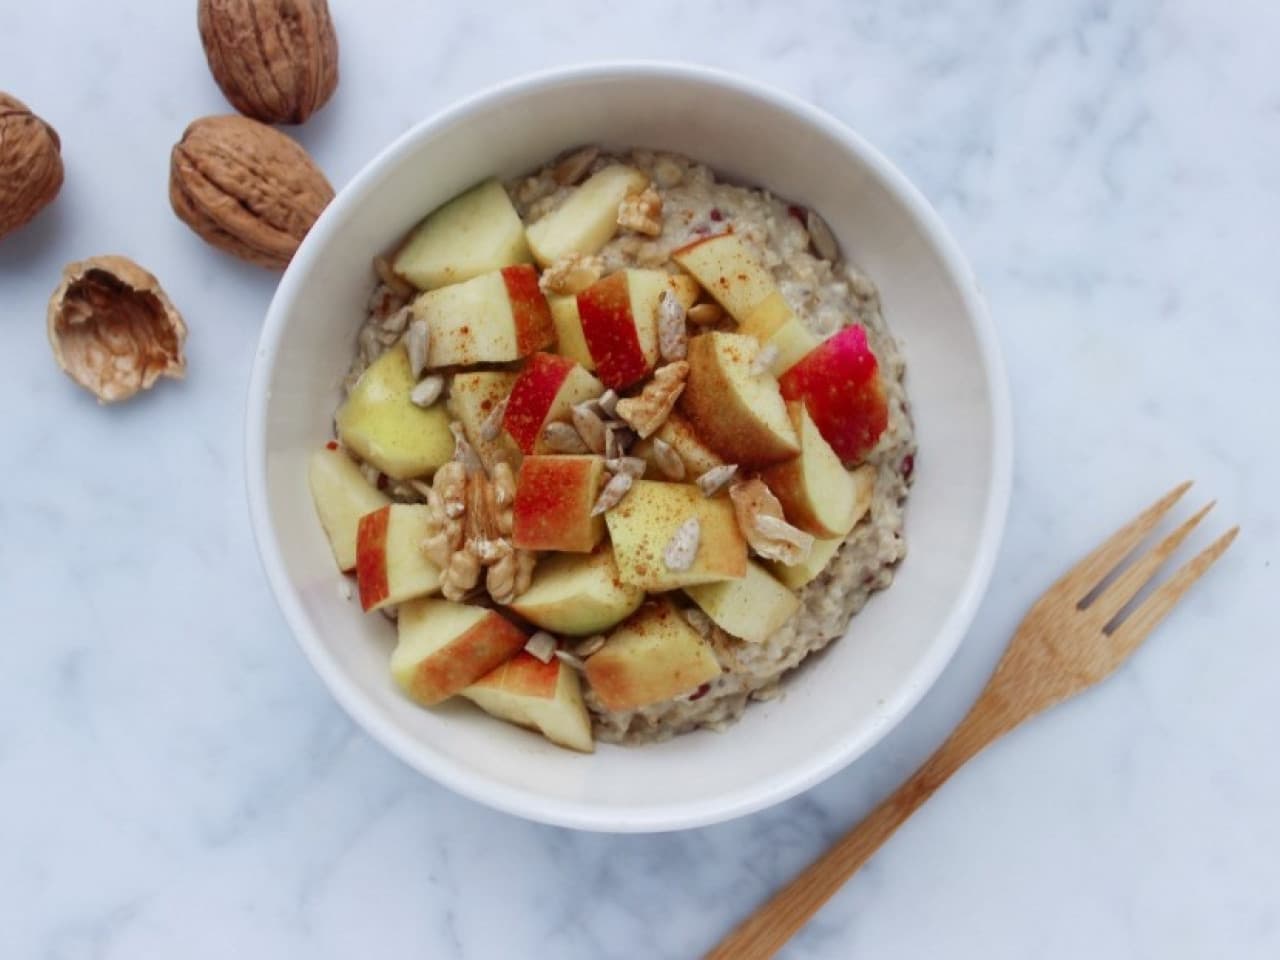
(622, 445)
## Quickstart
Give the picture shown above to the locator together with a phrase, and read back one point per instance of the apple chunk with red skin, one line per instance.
(816, 492)
(546, 697)
(492, 318)
(554, 497)
(546, 389)
(653, 656)
(735, 409)
(342, 496)
(839, 382)
(390, 565)
(443, 647)
(619, 319)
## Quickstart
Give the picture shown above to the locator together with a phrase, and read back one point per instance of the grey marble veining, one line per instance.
(175, 782)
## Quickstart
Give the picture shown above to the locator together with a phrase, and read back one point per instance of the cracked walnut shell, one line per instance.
(113, 330)
(30, 164)
(246, 188)
(274, 60)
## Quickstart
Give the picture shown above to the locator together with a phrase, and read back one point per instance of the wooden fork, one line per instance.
(1075, 635)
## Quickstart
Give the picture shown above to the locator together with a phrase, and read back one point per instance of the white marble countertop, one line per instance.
(175, 782)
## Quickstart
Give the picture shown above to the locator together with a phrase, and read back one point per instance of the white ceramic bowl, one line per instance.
(834, 709)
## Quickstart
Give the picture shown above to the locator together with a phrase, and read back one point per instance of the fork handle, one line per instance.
(765, 932)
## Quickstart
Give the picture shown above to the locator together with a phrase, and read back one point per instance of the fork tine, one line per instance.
(1127, 585)
(1134, 628)
(1090, 571)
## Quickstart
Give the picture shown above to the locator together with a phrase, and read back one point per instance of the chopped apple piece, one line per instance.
(472, 398)
(444, 647)
(588, 218)
(382, 425)
(652, 657)
(492, 318)
(817, 493)
(737, 412)
(839, 382)
(773, 322)
(578, 595)
(554, 497)
(570, 342)
(546, 697)
(620, 322)
(642, 525)
(728, 271)
(751, 608)
(474, 233)
(390, 565)
(676, 431)
(797, 575)
(342, 496)
(547, 389)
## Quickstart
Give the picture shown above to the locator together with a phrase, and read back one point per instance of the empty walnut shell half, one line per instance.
(30, 164)
(113, 330)
(275, 60)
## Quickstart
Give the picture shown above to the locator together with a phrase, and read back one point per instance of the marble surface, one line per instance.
(174, 781)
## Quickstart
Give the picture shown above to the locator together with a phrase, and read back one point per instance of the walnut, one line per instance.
(275, 60)
(642, 212)
(647, 412)
(571, 274)
(762, 523)
(246, 188)
(30, 164)
(113, 330)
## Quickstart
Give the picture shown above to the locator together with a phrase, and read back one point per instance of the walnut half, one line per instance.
(113, 330)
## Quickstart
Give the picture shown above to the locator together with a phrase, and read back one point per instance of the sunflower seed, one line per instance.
(575, 166)
(541, 645)
(667, 460)
(418, 342)
(463, 452)
(589, 426)
(492, 425)
(632, 465)
(820, 235)
(764, 359)
(560, 437)
(607, 402)
(397, 320)
(713, 481)
(612, 493)
(702, 314)
(673, 335)
(776, 529)
(682, 548)
(587, 647)
(427, 391)
(566, 657)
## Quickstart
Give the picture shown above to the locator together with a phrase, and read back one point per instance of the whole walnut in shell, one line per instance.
(30, 164)
(275, 60)
(246, 188)
(113, 330)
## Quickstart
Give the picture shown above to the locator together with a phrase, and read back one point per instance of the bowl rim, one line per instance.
(650, 817)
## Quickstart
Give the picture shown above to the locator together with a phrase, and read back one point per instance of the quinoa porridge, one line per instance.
(650, 420)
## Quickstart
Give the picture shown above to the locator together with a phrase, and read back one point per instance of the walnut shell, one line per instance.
(275, 60)
(246, 188)
(30, 164)
(113, 330)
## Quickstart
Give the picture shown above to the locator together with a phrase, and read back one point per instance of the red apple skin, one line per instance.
(485, 646)
(371, 557)
(526, 675)
(531, 397)
(535, 330)
(839, 382)
(554, 496)
(610, 331)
